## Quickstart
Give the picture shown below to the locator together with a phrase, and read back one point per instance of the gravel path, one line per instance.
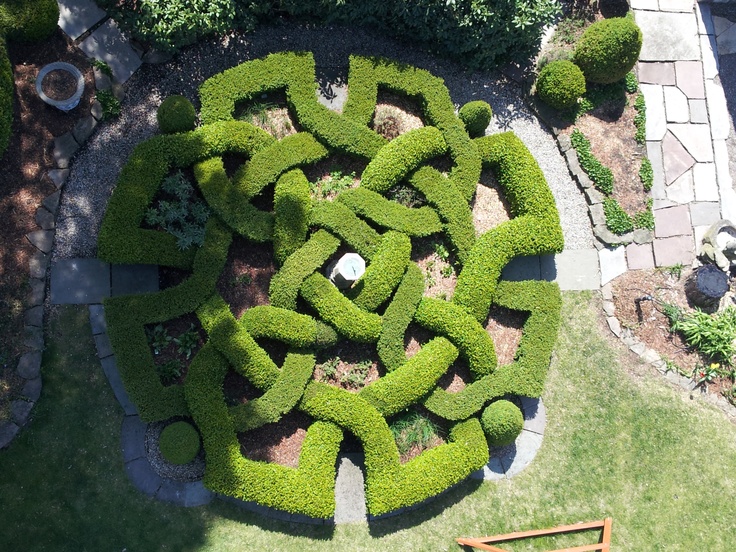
(96, 168)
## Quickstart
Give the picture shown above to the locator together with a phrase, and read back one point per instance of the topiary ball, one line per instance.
(560, 84)
(476, 116)
(179, 443)
(26, 21)
(502, 422)
(176, 114)
(608, 49)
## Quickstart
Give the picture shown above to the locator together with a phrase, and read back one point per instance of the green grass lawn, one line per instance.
(617, 444)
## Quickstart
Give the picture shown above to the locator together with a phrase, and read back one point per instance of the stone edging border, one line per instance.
(29, 365)
(652, 357)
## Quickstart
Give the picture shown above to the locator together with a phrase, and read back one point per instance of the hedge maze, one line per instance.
(307, 312)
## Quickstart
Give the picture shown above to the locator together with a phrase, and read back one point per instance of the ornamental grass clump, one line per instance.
(608, 49)
(560, 84)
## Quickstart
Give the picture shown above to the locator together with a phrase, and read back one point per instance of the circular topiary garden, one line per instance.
(256, 193)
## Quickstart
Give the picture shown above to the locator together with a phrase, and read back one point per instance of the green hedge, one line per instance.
(292, 206)
(398, 316)
(285, 284)
(295, 329)
(452, 321)
(525, 375)
(340, 220)
(388, 214)
(309, 489)
(401, 156)
(121, 240)
(332, 306)
(389, 484)
(127, 315)
(384, 272)
(534, 230)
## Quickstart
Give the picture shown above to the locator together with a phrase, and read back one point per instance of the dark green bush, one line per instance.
(476, 116)
(179, 443)
(502, 422)
(340, 220)
(560, 84)
(292, 205)
(28, 21)
(176, 114)
(6, 97)
(608, 49)
(390, 214)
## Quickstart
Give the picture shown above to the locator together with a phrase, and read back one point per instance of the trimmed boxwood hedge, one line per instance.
(306, 311)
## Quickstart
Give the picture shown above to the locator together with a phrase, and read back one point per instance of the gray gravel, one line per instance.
(96, 168)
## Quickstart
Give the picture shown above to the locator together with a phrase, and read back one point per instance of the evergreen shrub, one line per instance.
(560, 84)
(608, 49)
(476, 116)
(176, 114)
(179, 443)
(502, 422)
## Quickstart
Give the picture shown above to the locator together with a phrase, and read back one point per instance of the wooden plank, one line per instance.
(600, 547)
(606, 537)
(543, 532)
(477, 543)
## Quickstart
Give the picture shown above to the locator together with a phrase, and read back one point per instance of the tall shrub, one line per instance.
(608, 49)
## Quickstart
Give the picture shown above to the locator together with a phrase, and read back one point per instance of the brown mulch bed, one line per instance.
(25, 184)
(647, 321)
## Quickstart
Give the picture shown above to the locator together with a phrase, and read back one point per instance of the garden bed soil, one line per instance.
(646, 320)
(25, 184)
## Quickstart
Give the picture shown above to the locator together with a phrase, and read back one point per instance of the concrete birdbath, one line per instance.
(61, 85)
(346, 270)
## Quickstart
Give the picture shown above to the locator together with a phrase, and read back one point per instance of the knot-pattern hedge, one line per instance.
(306, 235)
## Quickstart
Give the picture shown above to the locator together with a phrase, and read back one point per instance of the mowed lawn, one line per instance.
(619, 442)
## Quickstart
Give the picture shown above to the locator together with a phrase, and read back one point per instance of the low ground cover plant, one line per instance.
(269, 200)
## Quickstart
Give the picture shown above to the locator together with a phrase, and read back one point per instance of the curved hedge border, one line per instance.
(378, 309)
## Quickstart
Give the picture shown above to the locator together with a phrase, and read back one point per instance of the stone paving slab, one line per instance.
(133, 279)
(535, 415)
(673, 221)
(104, 348)
(613, 263)
(675, 158)
(656, 123)
(29, 365)
(524, 450)
(132, 437)
(698, 111)
(143, 477)
(674, 250)
(709, 50)
(350, 490)
(32, 389)
(79, 281)
(704, 179)
(720, 120)
(108, 44)
(97, 319)
(682, 190)
(696, 139)
(676, 105)
(658, 30)
(690, 78)
(577, 269)
(705, 213)
(703, 16)
(197, 495)
(110, 367)
(76, 17)
(8, 431)
(685, 6)
(639, 256)
(657, 72)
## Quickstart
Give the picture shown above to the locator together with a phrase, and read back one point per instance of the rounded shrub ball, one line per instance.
(608, 49)
(476, 116)
(176, 114)
(560, 84)
(179, 443)
(502, 422)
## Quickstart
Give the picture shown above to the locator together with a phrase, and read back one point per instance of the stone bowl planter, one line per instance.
(64, 104)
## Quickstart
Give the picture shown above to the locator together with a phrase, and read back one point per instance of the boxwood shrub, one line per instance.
(176, 114)
(502, 422)
(560, 84)
(608, 49)
(179, 442)
(476, 116)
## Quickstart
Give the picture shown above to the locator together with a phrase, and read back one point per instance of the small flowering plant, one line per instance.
(705, 374)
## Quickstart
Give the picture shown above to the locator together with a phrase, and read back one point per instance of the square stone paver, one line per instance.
(577, 269)
(110, 46)
(639, 256)
(674, 250)
(660, 28)
(704, 213)
(690, 78)
(698, 111)
(676, 5)
(657, 72)
(644, 4)
(613, 263)
(76, 17)
(79, 281)
(696, 139)
(673, 221)
(675, 157)
(133, 279)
